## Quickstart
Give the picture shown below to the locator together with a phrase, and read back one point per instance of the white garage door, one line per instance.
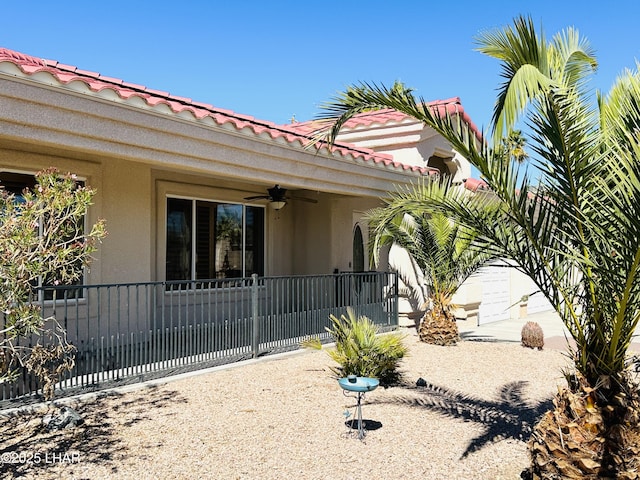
(538, 303)
(495, 295)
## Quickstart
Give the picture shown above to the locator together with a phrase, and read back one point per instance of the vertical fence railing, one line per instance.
(136, 331)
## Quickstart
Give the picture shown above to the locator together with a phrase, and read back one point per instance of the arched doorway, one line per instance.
(439, 163)
(358, 250)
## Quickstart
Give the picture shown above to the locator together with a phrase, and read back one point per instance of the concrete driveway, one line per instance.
(555, 333)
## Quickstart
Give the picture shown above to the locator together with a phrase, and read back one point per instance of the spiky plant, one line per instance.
(440, 247)
(360, 349)
(577, 234)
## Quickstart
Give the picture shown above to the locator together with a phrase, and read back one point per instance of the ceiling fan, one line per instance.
(277, 197)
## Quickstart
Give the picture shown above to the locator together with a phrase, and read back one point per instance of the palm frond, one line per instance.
(357, 99)
(524, 67)
(577, 232)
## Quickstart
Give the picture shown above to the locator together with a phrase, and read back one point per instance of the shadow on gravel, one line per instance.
(368, 425)
(475, 337)
(510, 416)
(27, 448)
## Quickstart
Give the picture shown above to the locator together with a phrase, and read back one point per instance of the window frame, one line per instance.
(193, 261)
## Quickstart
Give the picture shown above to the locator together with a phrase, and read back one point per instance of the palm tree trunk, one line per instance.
(591, 434)
(439, 327)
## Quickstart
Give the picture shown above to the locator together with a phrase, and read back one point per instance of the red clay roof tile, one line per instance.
(475, 184)
(451, 106)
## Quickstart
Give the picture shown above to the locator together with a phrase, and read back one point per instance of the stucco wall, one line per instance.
(346, 213)
(281, 241)
(302, 238)
(126, 193)
(127, 149)
(311, 233)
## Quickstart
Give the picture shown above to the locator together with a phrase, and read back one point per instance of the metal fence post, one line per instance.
(396, 288)
(255, 324)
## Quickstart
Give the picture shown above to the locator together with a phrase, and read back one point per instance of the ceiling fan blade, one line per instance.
(278, 194)
(256, 197)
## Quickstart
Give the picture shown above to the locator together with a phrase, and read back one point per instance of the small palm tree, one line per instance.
(440, 248)
(513, 146)
(361, 350)
(576, 234)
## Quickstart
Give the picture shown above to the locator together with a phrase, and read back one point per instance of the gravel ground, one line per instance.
(284, 418)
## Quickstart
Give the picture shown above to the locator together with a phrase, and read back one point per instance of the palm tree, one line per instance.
(440, 248)
(513, 146)
(576, 234)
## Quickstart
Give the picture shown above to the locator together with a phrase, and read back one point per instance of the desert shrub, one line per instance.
(42, 241)
(532, 335)
(360, 350)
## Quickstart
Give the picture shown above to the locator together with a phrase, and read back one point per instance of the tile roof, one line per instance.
(387, 116)
(475, 184)
(103, 86)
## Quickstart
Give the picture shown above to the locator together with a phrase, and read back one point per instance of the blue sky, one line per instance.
(275, 59)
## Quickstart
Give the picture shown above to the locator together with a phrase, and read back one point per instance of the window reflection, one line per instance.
(228, 240)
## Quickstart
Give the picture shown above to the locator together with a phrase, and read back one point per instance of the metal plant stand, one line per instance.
(359, 386)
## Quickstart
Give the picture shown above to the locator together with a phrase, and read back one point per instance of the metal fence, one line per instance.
(126, 333)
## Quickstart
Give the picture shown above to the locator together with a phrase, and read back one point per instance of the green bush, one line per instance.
(360, 351)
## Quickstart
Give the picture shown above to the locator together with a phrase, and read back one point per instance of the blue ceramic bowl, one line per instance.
(361, 384)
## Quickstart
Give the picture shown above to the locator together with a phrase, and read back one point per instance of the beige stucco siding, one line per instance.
(126, 190)
(347, 212)
(136, 154)
(302, 238)
(312, 238)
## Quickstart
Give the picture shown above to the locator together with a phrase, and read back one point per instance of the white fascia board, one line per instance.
(390, 137)
(385, 131)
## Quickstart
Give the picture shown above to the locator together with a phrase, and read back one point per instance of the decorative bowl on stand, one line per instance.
(359, 385)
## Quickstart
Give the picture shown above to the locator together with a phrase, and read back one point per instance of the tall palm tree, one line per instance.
(576, 234)
(440, 248)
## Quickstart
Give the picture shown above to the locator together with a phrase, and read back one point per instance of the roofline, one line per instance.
(389, 116)
(65, 74)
